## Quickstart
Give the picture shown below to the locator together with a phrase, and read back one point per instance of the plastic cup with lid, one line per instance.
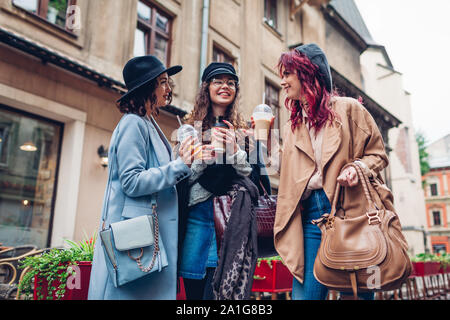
(185, 131)
(262, 117)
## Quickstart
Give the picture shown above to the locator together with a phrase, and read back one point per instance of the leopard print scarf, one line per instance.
(233, 277)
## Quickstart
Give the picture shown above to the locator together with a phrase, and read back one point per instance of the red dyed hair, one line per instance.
(313, 90)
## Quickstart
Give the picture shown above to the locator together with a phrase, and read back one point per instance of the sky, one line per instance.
(416, 35)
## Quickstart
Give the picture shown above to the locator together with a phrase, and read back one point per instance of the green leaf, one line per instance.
(423, 155)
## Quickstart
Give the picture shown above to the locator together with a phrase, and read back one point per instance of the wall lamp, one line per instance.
(28, 146)
(103, 154)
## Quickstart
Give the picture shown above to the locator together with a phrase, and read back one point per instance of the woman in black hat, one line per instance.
(140, 170)
(218, 99)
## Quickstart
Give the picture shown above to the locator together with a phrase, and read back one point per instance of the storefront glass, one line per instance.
(29, 156)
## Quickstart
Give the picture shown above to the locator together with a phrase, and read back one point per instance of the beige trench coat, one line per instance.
(352, 135)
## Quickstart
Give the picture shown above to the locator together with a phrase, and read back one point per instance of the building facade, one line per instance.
(437, 197)
(60, 75)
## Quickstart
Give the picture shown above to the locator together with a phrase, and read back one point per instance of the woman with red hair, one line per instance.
(324, 133)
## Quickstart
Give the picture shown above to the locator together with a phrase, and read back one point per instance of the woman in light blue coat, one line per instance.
(140, 167)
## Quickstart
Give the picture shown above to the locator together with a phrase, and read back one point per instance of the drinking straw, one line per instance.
(179, 121)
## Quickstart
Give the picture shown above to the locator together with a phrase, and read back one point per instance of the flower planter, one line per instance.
(181, 292)
(77, 285)
(273, 277)
(421, 269)
(417, 270)
(445, 269)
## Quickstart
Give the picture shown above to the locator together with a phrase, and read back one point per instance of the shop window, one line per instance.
(153, 32)
(29, 157)
(439, 248)
(54, 11)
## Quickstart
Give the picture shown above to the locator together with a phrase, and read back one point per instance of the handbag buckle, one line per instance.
(138, 258)
(373, 217)
(329, 223)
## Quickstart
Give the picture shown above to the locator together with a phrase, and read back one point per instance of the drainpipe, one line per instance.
(204, 44)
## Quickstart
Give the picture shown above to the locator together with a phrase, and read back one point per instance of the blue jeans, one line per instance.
(313, 207)
(199, 246)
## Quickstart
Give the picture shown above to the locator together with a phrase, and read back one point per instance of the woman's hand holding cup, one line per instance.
(227, 136)
(207, 154)
(242, 134)
(190, 149)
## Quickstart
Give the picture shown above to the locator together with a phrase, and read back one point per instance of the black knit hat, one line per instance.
(317, 56)
(216, 68)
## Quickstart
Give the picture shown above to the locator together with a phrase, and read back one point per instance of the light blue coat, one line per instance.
(143, 166)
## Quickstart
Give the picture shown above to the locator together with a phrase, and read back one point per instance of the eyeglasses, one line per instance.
(232, 84)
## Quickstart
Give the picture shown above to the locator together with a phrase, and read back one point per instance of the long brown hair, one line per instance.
(137, 101)
(203, 110)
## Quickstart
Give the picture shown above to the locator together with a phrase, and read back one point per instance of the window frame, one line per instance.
(41, 13)
(436, 215)
(150, 30)
(223, 55)
(269, 5)
(434, 184)
(273, 103)
(4, 132)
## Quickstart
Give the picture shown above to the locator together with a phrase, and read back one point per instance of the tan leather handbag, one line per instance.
(363, 251)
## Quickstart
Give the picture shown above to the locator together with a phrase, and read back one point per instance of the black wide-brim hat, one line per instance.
(139, 71)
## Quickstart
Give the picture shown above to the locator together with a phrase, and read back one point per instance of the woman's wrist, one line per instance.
(365, 168)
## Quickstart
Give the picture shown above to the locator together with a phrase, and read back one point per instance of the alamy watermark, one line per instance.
(374, 280)
(74, 280)
(73, 17)
(257, 151)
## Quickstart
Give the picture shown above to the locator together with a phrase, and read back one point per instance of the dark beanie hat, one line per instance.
(317, 56)
(216, 68)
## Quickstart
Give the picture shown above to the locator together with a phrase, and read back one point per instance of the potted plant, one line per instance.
(271, 275)
(444, 259)
(58, 274)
